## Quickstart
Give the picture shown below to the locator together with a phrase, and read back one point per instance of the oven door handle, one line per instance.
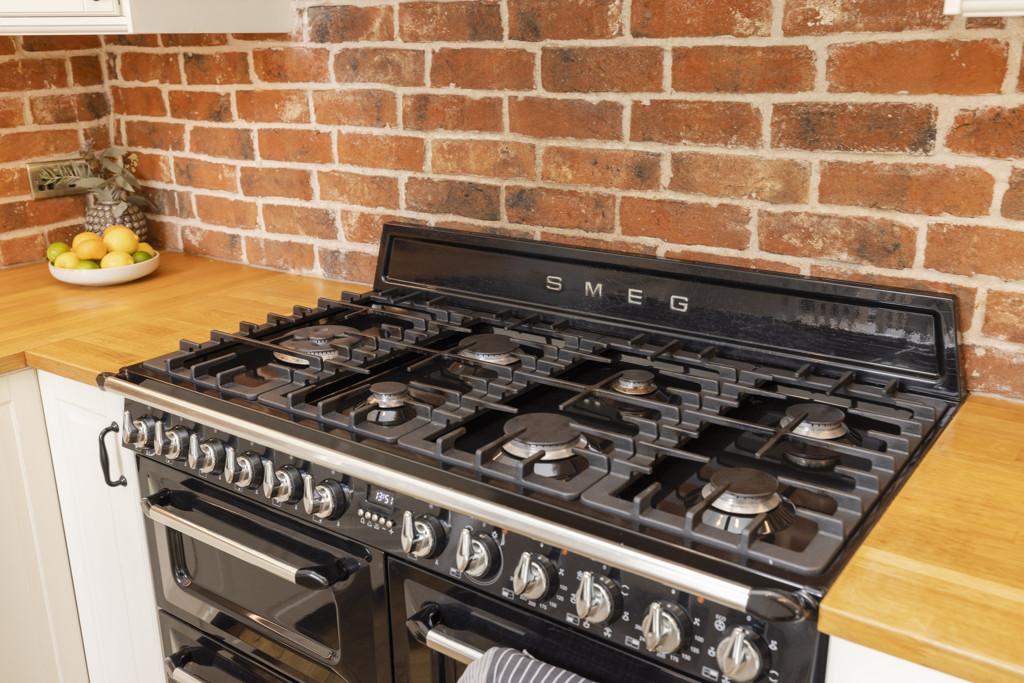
(179, 675)
(307, 577)
(440, 640)
(426, 627)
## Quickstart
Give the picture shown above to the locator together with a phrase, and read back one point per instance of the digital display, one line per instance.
(381, 497)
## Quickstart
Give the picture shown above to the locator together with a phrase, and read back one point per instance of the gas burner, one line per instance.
(496, 349)
(389, 394)
(635, 383)
(548, 432)
(389, 404)
(810, 457)
(745, 491)
(747, 495)
(318, 340)
(821, 421)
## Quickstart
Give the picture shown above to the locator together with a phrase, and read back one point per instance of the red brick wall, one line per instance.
(52, 99)
(875, 140)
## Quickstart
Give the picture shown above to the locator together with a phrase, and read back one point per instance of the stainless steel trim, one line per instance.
(170, 520)
(179, 675)
(441, 642)
(683, 578)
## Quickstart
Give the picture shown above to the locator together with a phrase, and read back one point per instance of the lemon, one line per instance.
(144, 246)
(116, 259)
(66, 260)
(87, 265)
(141, 256)
(82, 236)
(55, 250)
(120, 238)
(92, 250)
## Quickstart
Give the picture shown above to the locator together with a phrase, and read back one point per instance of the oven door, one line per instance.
(195, 657)
(438, 627)
(294, 598)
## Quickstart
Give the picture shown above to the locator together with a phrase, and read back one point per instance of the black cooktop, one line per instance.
(760, 418)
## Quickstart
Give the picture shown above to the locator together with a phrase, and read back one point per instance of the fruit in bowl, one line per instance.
(118, 246)
(117, 253)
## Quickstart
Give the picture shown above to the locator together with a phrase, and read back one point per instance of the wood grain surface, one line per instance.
(940, 580)
(79, 332)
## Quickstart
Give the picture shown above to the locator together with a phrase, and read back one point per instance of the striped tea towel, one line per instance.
(502, 665)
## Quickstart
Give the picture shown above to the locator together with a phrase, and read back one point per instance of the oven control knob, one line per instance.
(422, 536)
(208, 456)
(476, 555)
(598, 599)
(742, 655)
(665, 628)
(534, 577)
(171, 443)
(137, 434)
(244, 471)
(325, 500)
(283, 485)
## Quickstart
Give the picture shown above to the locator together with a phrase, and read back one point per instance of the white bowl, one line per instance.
(104, 277)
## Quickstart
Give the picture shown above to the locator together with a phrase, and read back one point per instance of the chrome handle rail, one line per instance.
(179, 675)
(300, 576)
(768, 604)
(441, 641)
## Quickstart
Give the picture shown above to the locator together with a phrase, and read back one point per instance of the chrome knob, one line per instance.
(137, 434)
(742, 655)
(534, 577)
(283, 485)
(422, 536)
(244, 471)
(598, 599)
(476, 556)
(193, 451)
(665, 628)
(208, 456)
(171, 443)
(325, 500)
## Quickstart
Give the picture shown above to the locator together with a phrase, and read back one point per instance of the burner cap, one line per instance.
(490, 348)
(548, 432)
(822, 421)
(317, 340)
(325, 334)
(389, 394)
(635, 383)
(745, 491)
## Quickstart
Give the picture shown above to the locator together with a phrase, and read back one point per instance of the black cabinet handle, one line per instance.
(105, 459)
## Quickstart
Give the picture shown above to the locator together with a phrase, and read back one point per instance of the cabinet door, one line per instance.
(852, 663)
(42, 644)
(105, 538)
(47, 7)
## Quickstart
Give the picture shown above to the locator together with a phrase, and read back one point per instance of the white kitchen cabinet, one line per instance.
(46, 17)
(106, 543)
(40, 641)
(852, 663)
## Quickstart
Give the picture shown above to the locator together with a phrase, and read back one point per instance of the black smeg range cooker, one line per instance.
(634, 469)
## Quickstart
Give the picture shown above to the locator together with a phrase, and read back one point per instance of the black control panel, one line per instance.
(681, 631)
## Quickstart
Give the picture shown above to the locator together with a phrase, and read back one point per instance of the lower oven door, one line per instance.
(438, 627)
(294, 598)
(194, 657)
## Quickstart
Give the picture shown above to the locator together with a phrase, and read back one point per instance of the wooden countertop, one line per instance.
(939, 581)
(79, 332)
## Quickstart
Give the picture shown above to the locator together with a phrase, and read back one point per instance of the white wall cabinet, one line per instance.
(40, 641)
(47, 17)
(106, 543)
